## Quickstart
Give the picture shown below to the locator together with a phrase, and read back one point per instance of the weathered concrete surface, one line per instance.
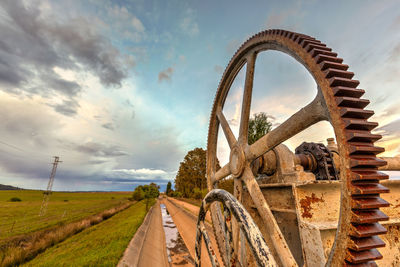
(186, 222)
(147, 248)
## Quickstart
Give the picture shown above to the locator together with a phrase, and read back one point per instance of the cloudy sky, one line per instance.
(121, 90)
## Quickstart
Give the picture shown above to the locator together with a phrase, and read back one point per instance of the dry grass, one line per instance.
(24, 248)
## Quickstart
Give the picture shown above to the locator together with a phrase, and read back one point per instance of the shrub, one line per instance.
(15, 199)
(138, 194)
(204, 193)
(177, 194)
(196, 193)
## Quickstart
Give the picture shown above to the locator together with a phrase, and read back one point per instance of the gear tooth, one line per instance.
(365, 230)
(368, 188)
(358, 124)
(347, 91)
(369, 203)
(366, 162)
(286, 34)
(364, 148)
(329, 73)
(368, 174)
(312, 48)
(338, 81)
(302, 37)
(366, 243)
(321, 57)
(363, 256)
(306, 42)
(332, 65)
(344, 101)
(364, 264)
(355, 113)
(368, 216)
(320, 51)
(296, 38)
(361, 136)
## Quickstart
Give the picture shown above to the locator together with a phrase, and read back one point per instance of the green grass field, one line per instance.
(99, 245)
(19, 218)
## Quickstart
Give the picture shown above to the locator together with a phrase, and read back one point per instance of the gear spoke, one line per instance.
(270, 223)
(230, 137)
(301, 120)
(222, 173)
(246, 104)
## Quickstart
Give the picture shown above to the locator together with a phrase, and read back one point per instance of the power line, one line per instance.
(12, 146)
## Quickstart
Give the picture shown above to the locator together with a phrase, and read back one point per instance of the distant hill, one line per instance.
(8, 187)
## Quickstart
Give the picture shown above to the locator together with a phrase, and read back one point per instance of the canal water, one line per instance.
(178, 253)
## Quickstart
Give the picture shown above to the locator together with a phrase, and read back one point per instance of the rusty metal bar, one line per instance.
(222, 173)
(301, 120)
(270, 223)
(268, 163)
(393, 164)
(246, 104)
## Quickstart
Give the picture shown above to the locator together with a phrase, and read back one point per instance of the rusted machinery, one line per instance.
(318, 206)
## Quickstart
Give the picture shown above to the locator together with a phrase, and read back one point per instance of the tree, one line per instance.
(169, 189)
(146, 192)
(192, 173)
(258, 126)
(138, 194)
(226, 184)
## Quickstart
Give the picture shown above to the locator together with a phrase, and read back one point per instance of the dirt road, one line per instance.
(191, 208)
(186, 221)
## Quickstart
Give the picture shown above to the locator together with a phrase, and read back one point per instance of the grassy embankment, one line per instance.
(19, 218)
(35, 234)
(100, 245)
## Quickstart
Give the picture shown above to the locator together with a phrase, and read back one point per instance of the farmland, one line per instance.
(19, 218)
(102, 244)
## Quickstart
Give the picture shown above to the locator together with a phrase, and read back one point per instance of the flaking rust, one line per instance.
(305, 204)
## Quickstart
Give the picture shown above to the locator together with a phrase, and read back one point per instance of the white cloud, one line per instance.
(142, 171)
(137, 24)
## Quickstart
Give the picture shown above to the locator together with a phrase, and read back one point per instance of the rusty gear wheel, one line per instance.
(338, 101)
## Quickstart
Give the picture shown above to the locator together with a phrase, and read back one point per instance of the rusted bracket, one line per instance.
(250, 230)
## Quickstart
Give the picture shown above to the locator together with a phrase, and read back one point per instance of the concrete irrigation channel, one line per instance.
(166, 237)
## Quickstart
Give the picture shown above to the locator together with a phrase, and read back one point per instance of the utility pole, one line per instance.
(46, 194)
